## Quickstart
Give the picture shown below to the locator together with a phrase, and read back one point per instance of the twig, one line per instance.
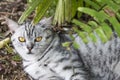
(4, 42)
(7, 13)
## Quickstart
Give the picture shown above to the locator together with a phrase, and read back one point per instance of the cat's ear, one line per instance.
(12, 25)
(49, 20)
(46, 21)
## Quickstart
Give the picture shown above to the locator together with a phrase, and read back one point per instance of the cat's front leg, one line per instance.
(54, 78)
(79, 77)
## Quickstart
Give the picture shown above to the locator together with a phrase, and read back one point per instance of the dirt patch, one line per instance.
(10, 63)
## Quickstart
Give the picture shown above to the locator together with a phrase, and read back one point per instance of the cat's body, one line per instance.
(44, 58)
(102, 59)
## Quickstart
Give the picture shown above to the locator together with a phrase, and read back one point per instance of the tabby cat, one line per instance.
(44, 58)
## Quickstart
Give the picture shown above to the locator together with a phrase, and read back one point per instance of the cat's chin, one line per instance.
(30, 52)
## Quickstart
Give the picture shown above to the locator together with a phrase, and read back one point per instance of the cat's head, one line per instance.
(29, 40)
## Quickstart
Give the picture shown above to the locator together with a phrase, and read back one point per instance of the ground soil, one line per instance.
(10, 63)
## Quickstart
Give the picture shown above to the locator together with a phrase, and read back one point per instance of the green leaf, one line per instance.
(102, 16)
(16, 58)
(115, 24)
(74, 5)
(118, 15)
(93, 24)
(82, 25)
(60, 13)
(29, 1)
(81, 34)
(117, 1)
(93, 4)
(66, 44)
(93, 37)
(76, 45)
(101, 34)
(66, 10)
(115, 7)
(108, 10)
(29, 9)
(107, 30)
(41, 9)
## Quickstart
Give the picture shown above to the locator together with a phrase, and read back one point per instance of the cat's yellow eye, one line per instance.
(21, 39)
(38, 39)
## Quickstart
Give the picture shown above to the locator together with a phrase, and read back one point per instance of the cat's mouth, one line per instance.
(29, 52)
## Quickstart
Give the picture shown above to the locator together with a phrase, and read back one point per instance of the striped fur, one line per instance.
(102, 59)
(49, 60)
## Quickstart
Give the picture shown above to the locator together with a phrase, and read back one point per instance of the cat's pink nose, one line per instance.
(29, 48)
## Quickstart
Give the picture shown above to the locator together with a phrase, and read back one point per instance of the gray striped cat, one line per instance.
(44, 58)
(101, 59)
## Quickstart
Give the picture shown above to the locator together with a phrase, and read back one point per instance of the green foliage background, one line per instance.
(104, 15)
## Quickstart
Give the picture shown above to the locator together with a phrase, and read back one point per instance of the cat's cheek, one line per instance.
(24, 54)
(34, 51)
(21, 50)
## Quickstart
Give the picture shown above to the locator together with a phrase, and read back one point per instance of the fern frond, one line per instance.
(105, 17)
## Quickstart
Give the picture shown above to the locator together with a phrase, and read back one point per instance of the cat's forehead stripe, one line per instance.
(29, 29)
